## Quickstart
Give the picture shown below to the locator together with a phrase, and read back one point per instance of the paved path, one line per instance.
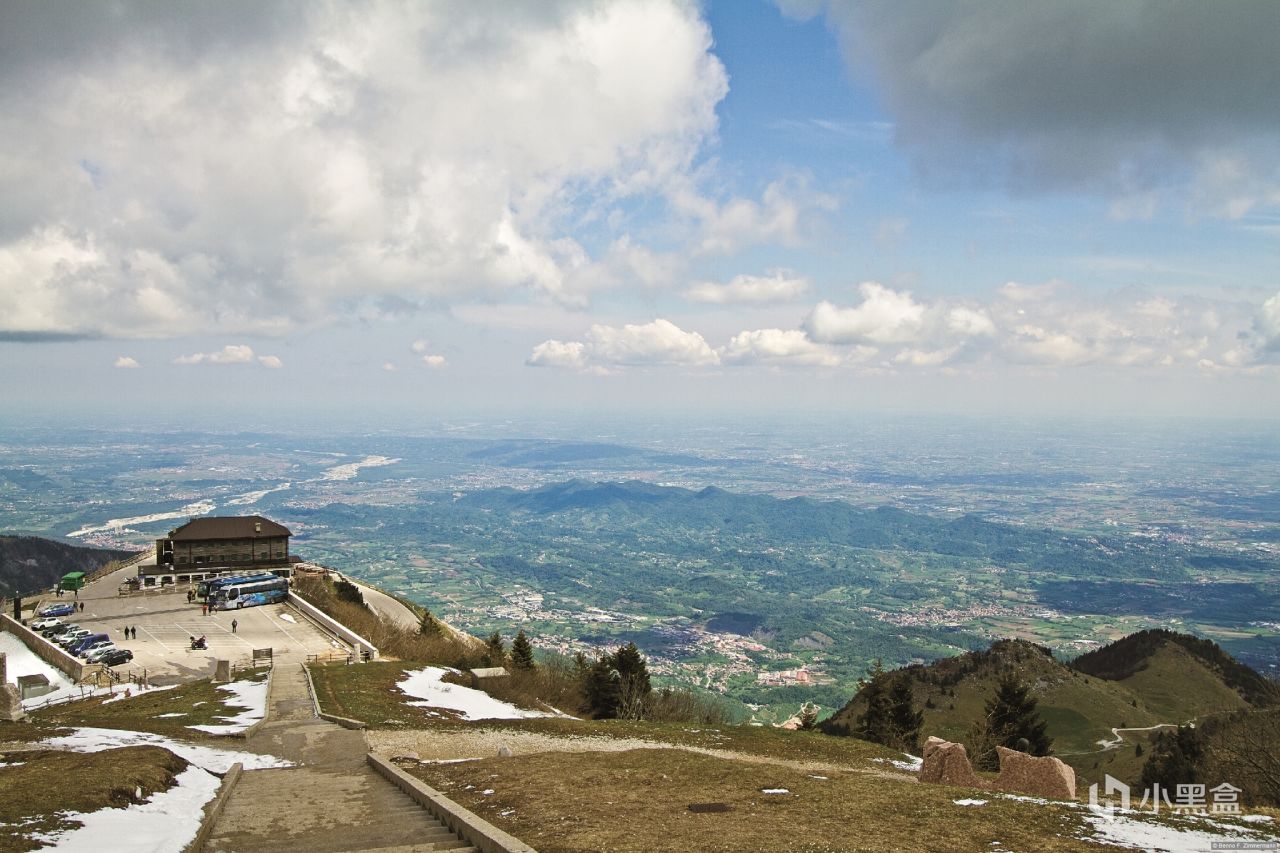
(332, 802)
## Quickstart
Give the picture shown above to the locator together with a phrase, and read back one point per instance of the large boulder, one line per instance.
(1039, 776)
(947, 763)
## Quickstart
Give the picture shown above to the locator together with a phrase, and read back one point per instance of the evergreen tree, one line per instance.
(1012, 717)
(808, 717)
(874, 724)
(601, 689)
(495, 652)
(1175, 759)
(522, 652)
(904, 720)
(429, 626)
(633, 681)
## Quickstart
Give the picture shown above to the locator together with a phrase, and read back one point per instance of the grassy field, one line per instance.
(645, 799)
(38, 787)
(165, 712)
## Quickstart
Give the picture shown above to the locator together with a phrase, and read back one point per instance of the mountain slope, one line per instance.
(29, 563)
(1157, 663)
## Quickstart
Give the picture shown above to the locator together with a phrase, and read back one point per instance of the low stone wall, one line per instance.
(333, 626)
(481, 834)
(214, 808)
(69, 665)
(345, 722)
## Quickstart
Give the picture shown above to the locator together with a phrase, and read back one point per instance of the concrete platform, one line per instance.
(166, 623)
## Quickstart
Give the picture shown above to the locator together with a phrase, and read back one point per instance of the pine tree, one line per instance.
(1012, 717)
(495, 653)
(633, 681)
(808, 720)
(601, 689)
(429, 626)
(904, 720)
(522, 652)
(873, 724)
(1175, 759)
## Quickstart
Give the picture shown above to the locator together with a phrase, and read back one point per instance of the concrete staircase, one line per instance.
(331, 802)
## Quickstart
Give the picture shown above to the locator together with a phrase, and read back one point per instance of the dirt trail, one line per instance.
(430, 745)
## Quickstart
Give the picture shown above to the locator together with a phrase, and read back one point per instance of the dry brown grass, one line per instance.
(639, 801)
(46, 783)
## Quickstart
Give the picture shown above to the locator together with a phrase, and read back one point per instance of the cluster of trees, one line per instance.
(1011, 720)
(1241, 748)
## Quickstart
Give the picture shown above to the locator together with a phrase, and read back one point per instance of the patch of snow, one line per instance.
(487, 791)
(175, 714)
(286, 617)
(250, 695)
(168, 821)
(970, 802)
(1124, 831)
(426, 685)
(128, 691)
(819, 778)
(774, 791)
(89, 739)
(1257, 818)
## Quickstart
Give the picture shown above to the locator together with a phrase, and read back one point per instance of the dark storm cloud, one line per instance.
(1118, 94)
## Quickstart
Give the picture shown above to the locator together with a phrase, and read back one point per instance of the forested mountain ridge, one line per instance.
(29, 563)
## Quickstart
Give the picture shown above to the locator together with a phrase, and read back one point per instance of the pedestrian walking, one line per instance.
(234, 623)
(204, 610)
(135, 632)
(81, 604)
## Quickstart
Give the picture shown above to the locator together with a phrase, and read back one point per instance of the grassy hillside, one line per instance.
(1158, 661)
(1157, 678)
(29, 563)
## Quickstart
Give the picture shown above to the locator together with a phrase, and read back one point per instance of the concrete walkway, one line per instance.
(331, 802)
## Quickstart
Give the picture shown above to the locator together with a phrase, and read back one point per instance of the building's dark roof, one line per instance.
(229, 527)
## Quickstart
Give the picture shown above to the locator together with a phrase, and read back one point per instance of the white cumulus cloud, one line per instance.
(660, 342)
(778, 346)
(127, 361)
(777, 286)
(884, 317)
(435, 362)
(230, 354)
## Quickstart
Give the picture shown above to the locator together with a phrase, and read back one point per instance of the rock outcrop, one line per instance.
(947, 763)
(1038, 776)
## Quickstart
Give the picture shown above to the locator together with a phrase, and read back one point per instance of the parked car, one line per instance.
(77, 648)
(96, 652)
(115, 657)
(55, 633)
(91, 642)
(70, 638)
(63, 609)
(44, 622)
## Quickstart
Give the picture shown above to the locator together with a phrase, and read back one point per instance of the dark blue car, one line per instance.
(57, 609)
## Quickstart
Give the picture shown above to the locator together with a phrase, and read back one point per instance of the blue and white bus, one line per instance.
(206, 589)
(250, 593)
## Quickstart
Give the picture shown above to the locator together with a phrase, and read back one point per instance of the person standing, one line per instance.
(234, 623)
(204, 610)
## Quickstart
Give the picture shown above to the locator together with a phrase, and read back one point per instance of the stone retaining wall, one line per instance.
(69, 665)
(333, 626)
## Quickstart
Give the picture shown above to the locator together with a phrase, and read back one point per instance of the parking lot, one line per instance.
(166, 622)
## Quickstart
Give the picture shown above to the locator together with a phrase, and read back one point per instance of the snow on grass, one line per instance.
(774, 791)
(169, 820)
(1122, 830)
(426, 685)
(911, 765)
(970, 802)
(249, 695)
(89, 739)
(128, 691)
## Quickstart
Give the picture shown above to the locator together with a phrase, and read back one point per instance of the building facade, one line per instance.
(209, 547)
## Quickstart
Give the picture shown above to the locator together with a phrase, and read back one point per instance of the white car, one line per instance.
(45, 622)
(95, 654)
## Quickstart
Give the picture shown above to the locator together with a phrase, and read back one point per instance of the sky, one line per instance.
(214, 211)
